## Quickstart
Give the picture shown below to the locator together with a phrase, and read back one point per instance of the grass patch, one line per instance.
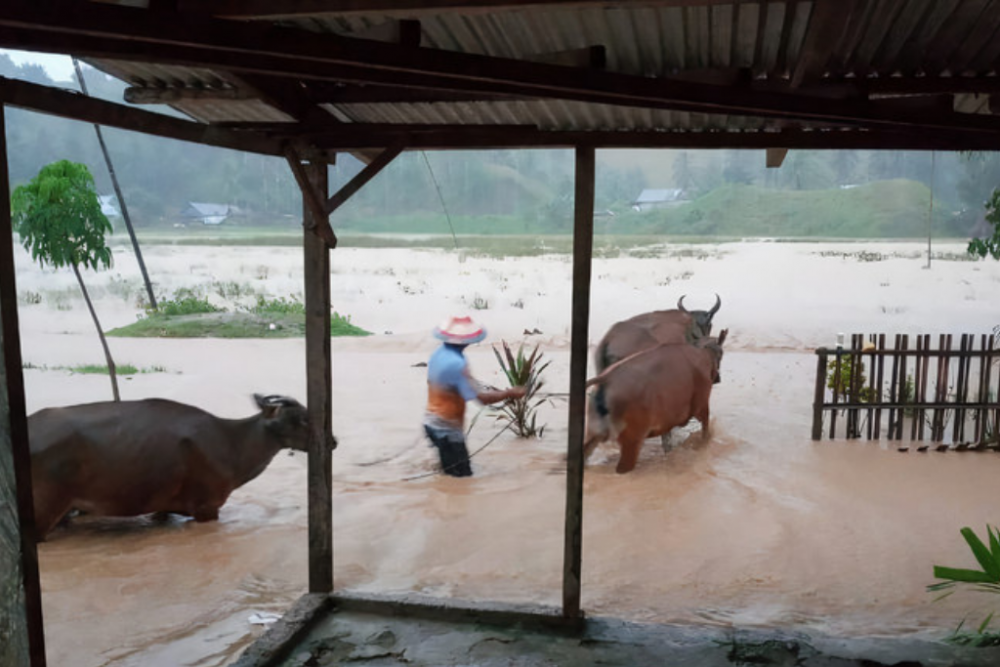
(280, 307)
(232, 325)
(96, 369)
(185, 302)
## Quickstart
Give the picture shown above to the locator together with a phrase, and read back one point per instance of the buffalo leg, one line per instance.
(630, 442)
(590, 446)
(702, 417)
(48, 513)
(206, 514)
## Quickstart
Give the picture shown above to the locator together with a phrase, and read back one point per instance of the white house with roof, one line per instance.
(109, 206)
(651, 198)
(208, 213)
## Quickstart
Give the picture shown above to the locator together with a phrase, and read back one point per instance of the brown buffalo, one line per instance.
(650, 329)
(651, 392)
(136, 457)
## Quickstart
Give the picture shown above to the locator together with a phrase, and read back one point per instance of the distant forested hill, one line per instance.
(729, 192)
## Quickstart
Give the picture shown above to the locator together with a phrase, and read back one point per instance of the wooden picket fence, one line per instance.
(947, 396)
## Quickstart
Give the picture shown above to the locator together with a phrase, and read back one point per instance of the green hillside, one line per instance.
(884, 209)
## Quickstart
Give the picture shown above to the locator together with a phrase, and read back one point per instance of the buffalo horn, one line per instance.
(715, 308)
(680, 304)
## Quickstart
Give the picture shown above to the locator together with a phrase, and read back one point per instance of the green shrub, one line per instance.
(841, 383)
(185, 302)
(278, 306)
(340, 325)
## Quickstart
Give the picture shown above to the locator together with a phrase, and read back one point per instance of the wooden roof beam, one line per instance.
(109, 32)
(358, 136)
(290, 8)
(75, 106)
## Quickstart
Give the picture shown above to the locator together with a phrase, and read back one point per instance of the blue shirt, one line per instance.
(448, 388)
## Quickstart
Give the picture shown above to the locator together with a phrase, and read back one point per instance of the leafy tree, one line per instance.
(59, 220)
(991, 245)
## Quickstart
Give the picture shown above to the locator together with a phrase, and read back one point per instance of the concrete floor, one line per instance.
(393, 635)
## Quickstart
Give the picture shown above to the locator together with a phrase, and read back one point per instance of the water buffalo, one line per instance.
(651, 392)
(649, 329)
(136, 457)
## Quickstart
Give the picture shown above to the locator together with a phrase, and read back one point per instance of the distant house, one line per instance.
(209, 214)
(109, 206)
(658, 198)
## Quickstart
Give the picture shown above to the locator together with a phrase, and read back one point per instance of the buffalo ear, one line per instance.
(722, 336)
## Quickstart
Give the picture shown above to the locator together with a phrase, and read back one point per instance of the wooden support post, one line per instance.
(318, 386)
(821, 356)
(583, 245)
(20, 594)
(316, 219)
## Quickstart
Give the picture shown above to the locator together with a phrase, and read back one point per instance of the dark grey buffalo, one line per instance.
(649, 393)
(137, 457)
(650, 329)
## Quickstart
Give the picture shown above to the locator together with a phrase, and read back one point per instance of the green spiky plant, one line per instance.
(522, 371)
(987, 579)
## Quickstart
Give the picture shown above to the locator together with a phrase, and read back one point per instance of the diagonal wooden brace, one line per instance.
(314, 200)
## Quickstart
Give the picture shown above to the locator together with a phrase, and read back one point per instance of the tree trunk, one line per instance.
(104, 343)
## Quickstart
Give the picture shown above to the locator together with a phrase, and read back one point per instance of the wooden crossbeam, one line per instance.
(291, 8)
(357, 136)
(365, 175)
(100, 31)
(72, 105)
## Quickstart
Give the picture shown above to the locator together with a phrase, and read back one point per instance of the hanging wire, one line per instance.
(930, 212)
(440, 198)
(118, 193)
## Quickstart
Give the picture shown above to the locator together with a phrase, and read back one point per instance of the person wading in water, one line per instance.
(449, 386)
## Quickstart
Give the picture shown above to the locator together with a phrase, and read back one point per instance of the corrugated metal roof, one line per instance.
(928, 38)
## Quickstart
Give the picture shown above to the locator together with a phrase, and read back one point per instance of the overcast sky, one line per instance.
(59, 67)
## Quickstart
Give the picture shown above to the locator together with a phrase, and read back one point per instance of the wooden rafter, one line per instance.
(247, 47)
(290, 8)
(317, 93)
(827, 23)
(72, 105)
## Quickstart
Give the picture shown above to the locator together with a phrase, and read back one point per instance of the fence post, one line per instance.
(821, 355)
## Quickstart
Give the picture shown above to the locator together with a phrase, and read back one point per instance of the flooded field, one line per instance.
(759, 526)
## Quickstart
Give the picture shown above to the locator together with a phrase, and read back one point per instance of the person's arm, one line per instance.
(487, 396)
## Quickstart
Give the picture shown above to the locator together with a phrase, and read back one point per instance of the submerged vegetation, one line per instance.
(190, 315)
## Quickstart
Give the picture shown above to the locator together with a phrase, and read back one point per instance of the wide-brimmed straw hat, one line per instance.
(459, 331)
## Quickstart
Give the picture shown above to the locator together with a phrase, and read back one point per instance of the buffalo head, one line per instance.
(288, 420)
(701, 320)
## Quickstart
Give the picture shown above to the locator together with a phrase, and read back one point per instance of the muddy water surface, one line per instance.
(757, 526)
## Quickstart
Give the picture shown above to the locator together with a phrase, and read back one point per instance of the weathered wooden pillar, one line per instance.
(21, 636)
(583, 245)
(318, 388)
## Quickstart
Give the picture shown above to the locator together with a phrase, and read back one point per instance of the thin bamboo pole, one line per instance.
(118, 194)
(818, 395)
(881, 391)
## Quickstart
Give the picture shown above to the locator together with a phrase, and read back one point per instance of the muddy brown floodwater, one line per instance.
(759, 526)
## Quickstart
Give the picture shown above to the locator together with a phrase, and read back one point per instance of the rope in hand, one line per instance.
(438, 472)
